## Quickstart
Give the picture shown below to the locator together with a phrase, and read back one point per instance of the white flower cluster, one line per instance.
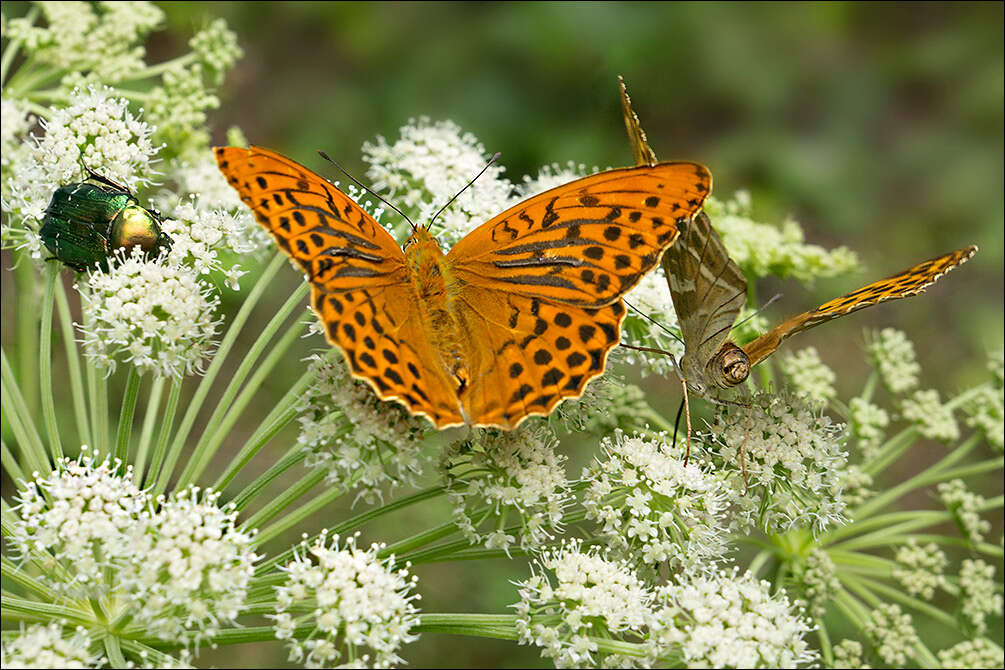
(78, 522)
(977, 581)
(551, 176)
(809, 375)
(355, 603)
(157, 316)
(518, 476)
(45, 646)
(966, 509)
(892, 355)
(652, 297)
(934, 420)
(920, 569)
(856, 486)
(868, 423)
(725, 621)
(176, 566)
(199, 234)
(792, 453)
(892, 634)
(592, 598)
(361, 441)
(192, 567)
(653, 508)
(761, 249)
(429, 164)
(97, 131)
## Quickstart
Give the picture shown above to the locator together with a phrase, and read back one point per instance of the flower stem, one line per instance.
(10, 53)
(125, 429)
(149, 419)
(16, 411)
(50, 277)
(167, 420)
(199, 397)
(73, 365)
(224, 416)
(280, 415)
(27, 331)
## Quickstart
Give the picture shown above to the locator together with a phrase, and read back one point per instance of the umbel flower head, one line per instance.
(361, 441)
(49, 646)
(497, 478)
(355, 604)
(178, 566)
(654, 509)
(155, 315)
(793, 461)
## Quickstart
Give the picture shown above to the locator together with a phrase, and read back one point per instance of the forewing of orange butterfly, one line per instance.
(520, 314)
(911, 281)
(360, 282)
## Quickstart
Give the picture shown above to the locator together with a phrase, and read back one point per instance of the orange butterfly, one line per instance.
(708, 290)
(520, 314)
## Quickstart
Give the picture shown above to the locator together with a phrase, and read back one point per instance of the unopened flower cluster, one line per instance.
(178, 566)
(360, 609)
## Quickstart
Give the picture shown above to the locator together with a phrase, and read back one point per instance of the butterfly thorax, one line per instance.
(431, 278)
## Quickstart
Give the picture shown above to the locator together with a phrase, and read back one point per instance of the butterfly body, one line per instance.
(517, 316)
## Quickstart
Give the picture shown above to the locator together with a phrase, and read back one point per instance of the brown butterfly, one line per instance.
(520, 314)
(708, 290)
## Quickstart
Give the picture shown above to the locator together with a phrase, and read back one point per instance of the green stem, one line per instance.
(149, 419)
(73, 365)
(10, 465)
(101, 413)
(10, 53)
(295, 455)
(225, 415)
(16, 411)
(199, 397)
(280, 415)
(931, 475)
(27, 330)
(125, 428)
(114, 651)
(359, 520)
(284, 499)
(50, 276)
(165, 433)
(891, 451)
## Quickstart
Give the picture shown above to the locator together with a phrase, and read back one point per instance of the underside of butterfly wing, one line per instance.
(904, 284)
(708, 291)
(585, 243)
(641, 151)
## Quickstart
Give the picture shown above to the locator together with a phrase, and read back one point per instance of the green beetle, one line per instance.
(86, 222)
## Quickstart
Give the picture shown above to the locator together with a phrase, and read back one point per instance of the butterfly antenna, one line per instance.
(366, 188)
(759, 310)
(649, 318)
(676, 422)
(491, 161)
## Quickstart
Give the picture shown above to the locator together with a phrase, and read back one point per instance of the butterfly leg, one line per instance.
(687, 417)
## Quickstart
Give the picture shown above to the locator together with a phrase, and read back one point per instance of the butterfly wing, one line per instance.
(527, 354)
(904, 284)
(358, 275)
(707, 287)
(641, 151)
(585, 243)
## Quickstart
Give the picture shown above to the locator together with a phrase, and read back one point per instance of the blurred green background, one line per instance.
(877, 126)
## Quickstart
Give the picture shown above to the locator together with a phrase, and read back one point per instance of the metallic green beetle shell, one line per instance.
(86, 222)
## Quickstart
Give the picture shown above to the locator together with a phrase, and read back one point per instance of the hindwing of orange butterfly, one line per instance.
(709, 290)
(520, 314)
